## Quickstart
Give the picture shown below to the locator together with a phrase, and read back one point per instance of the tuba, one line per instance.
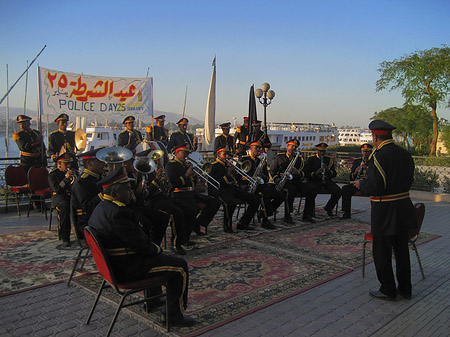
(165, 186)
(114, 157)
(144, 166)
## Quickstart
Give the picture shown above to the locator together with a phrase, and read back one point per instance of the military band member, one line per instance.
(60, 180)
(86, 195)
(30, 144)
(129, 138)
(320, 171)
(182, 178)
(258, 135)
(158, 132)
(390, 175)
(225, 139)
(181, 137)
(270, 197)
(62, 140)
(291, 187)
(131, 253)
(241, 138)
(230, 193)
(358, 171)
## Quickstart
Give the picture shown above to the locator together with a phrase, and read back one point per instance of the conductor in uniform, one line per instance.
(30, 144)
(225, 139)
(131, 253)
(62, 140)
(358, 171)
(129, 138)
(181, 137)
(158, 132)
(86, 195)
(320, 171)
(390, 175)
(241, 138)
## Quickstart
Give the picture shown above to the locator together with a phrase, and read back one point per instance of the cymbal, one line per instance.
(80, 139)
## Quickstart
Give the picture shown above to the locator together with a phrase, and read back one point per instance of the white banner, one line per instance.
(88, 95)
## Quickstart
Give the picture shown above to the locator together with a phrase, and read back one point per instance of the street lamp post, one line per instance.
(265, 97)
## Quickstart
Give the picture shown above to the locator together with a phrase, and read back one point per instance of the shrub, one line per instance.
(425, 180)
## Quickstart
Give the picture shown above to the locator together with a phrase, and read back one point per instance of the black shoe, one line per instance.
(378, 294)
(267, 224)
(329, 211)
(190, 243)
(308, 219)
(244, 227)
(406, 296)
(65, 243)
(345, 216)
(179, 250)
(288, 219)
(227, 229)
(198, 231)
(179, 320)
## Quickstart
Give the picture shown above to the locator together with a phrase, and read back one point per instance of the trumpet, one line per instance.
(246, 167)
(202, 171)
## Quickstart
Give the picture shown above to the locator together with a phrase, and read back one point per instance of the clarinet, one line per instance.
(363, 161)
(323, 167)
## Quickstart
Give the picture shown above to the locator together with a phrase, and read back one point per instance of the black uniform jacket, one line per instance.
(30, 146)
(219, 172)
(129, 139)
(261, 137)
(159, 134)
(180, 138)
(363, 172)
(127, 246)
(391, 174)
(86, 195)
(241, 137)
(313, 163)
(60, 185)
(222, 141)
(58, 139)
(176, 173)
(254, 164)
(281, 162)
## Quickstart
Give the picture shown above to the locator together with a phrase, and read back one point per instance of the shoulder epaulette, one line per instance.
(281, 153)
(54, 169)
(149, 129)
(16, 136)
(84, 175)
(238, 129)
(54, 132)
(123, 132)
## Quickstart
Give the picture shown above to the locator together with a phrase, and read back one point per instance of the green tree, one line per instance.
(424, 78)
(445, 136)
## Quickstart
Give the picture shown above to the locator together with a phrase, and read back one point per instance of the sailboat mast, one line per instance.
(184, 106)
(7, 115)
(25, 98)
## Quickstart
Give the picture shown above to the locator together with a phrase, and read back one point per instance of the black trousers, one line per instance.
(347, 193)
(62, 206)
(309, 191)
(230, 197)
(382, 248)
(209, 207)
(271, 198)
(331, 187)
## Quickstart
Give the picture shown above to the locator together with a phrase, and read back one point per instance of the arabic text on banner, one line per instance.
(88, 95)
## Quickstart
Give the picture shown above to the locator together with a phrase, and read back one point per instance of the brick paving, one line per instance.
(341, 307)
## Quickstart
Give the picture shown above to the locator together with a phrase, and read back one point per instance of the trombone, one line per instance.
(246, 167)
(195, 158)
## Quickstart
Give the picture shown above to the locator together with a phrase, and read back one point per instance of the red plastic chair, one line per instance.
(123, 289)
(17, 184)
(39, 188)
(413, 235)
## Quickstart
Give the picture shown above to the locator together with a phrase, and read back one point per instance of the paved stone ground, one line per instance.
(341, 307)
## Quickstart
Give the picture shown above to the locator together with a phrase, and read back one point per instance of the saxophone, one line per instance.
(287, 175)
(324, 168)
(257, 179)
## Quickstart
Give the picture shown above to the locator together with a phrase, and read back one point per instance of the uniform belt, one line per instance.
(80, 211)
(391, 197)
(28, 154)
(241, 142)
(184, 189)
(119, 251)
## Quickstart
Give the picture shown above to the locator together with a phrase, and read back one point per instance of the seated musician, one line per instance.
(131, 253)
(230, 193)
(225, 139)
(320, 170)
(85, 193)
(271, 198)
(280, 172)
(358, 171)
(182, 177)
(60, 180)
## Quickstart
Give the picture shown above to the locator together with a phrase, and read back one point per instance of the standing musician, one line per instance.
(390, 175)
(85, 193)
(241, 138)
(62, 140)
(129, 138)
(131, 253)
(182, 178)
(270, 197)
(358, 171)
(279, 168)
(230, 194)
(30, 144)
(258, 135)
(159, 132)
(319, 171)
(225, 139)
(181, 137)
(60, 180)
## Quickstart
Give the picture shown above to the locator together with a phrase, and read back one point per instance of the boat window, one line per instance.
(88, 135)
(322, 138)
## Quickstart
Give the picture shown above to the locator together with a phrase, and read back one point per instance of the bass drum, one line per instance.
(153, 145)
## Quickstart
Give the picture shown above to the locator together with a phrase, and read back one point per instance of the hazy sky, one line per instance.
(320, 57)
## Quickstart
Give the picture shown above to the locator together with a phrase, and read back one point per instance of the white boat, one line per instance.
(97, 136)
(354, 136)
